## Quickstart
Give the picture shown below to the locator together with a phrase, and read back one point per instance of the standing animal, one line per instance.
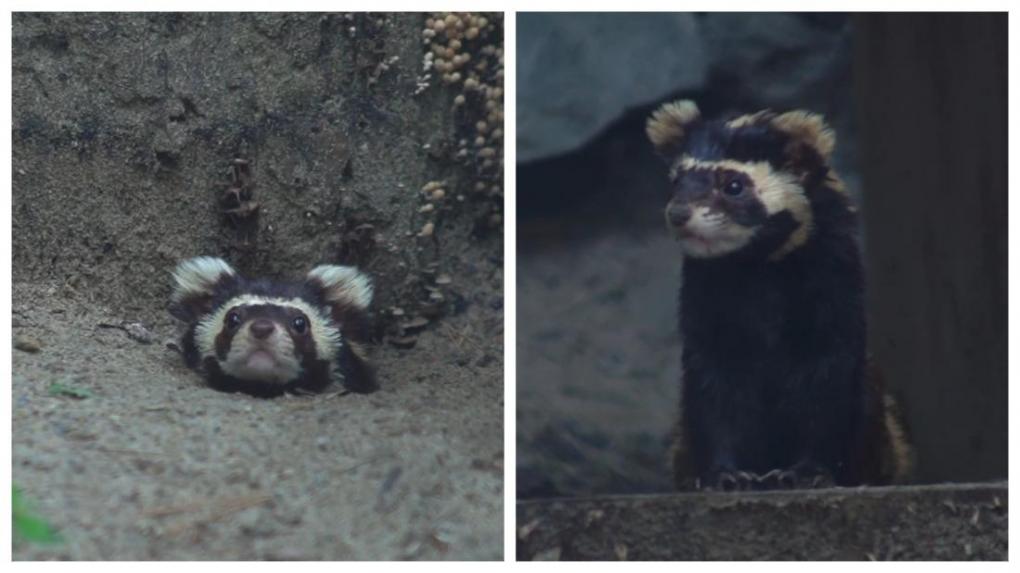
(776, 390)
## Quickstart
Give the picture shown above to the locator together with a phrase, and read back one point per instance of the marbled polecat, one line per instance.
(775, 389)
(267, 337)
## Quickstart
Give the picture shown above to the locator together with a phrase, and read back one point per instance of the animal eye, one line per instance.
(299, 324)
(233, 319)
(733, 187)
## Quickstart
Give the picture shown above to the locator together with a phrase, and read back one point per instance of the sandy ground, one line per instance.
(125, 131)
(153, 465)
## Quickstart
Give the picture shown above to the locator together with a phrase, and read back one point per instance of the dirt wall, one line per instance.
(125, 127)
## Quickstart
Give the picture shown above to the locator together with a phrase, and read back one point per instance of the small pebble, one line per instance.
(404, 341)
(416, 323)
(27, 344)
(136, 331)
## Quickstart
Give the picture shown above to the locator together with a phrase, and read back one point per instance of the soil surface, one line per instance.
(125, 130)
(154, 465)
(935, 522)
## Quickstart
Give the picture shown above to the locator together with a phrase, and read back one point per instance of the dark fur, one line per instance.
(356, 374)
(773, 356)
(774, 351)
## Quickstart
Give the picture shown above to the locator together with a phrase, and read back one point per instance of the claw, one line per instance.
(745, 480)
(769, 480)
(821, 481)
(787, 479)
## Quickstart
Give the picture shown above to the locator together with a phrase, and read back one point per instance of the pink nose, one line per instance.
(262, 328)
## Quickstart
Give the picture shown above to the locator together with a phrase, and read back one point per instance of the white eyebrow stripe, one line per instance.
(326, 335)
(777, 190)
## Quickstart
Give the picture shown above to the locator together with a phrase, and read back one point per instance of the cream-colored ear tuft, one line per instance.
(196, 282)
(198, 276)
(343, 285)
(668, 124)
(808, 128)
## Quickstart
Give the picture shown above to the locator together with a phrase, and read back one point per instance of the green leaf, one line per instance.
(58, 389)
(28, 526)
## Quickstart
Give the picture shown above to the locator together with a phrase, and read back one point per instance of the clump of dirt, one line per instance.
(279, 142)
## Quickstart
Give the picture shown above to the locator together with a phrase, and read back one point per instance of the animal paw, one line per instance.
(729, 481)
(801, 476)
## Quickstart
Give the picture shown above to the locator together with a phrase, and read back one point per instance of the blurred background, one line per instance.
(919, 105)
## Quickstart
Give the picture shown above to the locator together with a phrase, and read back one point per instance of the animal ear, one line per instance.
(348, 293)
(346, 290)
(667, 126)
(808, 130)
(196, 281)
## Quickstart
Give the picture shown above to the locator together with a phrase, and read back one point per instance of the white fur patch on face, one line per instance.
(325, 334)
(344, 285)
(270, 360)
(778, 191)
(709, 234)
(198, 276)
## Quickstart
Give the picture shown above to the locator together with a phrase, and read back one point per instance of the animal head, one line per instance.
(270, 333)
(742, 181)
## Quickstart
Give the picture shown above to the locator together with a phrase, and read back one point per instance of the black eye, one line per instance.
(733, 187)
(299, 324)
(233, 319)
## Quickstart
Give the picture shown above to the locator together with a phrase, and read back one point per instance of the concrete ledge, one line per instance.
(931, 522)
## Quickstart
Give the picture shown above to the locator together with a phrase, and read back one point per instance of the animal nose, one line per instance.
(262, 328)
(677, 214)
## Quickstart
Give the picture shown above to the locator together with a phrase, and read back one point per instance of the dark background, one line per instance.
(919, 105)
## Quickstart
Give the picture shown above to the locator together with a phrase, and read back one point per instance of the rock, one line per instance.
(403, 341)
(596, 66)
(136, 331)
(827, 524)
(27, 344)
(415, 324)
